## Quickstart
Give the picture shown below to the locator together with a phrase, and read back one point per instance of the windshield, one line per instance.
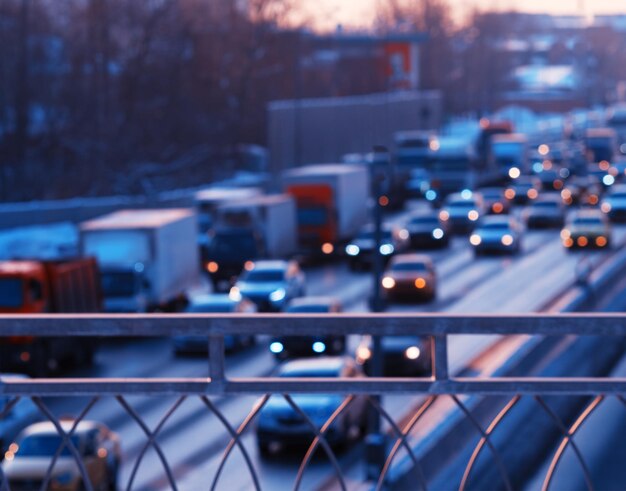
(263, 276)
(317, 372)
(11, 292)
(210, 307)
(312, 216)
(45, 446)
(450, 164)
(369, 235)
(314, 309)
(118, 284)
(587, 221)
(495, 226)
(425, 221)
(462, 204)
(233, 245)
(409, 267)
(545, 204)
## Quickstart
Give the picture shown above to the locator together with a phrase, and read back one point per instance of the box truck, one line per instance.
(44, 287)
(148, 258)
(332, 204)
(262, 227)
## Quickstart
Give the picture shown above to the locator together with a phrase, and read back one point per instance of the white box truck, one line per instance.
(148, 259)
(332, 204)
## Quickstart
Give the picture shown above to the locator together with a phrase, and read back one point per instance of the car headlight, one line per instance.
(507, 240)
(438, 233)
(278, 295)
(386, 249)
(420, 283)
(235, 294)
(412, 353)
(606, 207)
(276, 347)
(473, 215)
(319, 347)
(475, 239)
(363, 353)
(431, 195)
(388, 282)
(352, 250)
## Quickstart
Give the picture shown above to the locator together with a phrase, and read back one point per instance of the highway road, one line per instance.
(193, 439)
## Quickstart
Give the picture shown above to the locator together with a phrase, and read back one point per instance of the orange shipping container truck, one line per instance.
(43, 287)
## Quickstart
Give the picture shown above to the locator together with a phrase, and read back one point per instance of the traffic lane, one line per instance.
(188, 452)
(153, 419)
(274, 475)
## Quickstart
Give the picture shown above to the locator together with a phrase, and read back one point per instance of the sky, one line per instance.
(358, 13)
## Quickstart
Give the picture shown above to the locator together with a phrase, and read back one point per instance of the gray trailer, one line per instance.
(272, 217)
(148, 259)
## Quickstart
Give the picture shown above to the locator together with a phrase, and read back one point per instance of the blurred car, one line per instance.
(21, 414)
(291, 346)
(550, 180)
(523, 189)
(270, 284)
(360, 251)
(495, 201)
(547, 211)
(279, 424)
(410, 276)
(614, 204)
(462, 211)
(587, 229)
(215, 303)
(407, 356)
(618, 170)
(28, 459)
(601, 173)
(497, 234)
(427, 230)
(418, 185)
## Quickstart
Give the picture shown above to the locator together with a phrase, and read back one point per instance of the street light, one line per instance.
(375, 443)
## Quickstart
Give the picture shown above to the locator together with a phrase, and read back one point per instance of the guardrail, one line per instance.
(216, 326)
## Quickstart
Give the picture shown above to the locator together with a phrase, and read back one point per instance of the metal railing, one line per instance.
(217, 384)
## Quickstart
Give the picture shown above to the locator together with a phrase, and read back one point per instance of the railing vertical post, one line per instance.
(216, 359)
(440, 357)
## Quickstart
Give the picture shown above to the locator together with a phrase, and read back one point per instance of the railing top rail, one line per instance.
(159, 325)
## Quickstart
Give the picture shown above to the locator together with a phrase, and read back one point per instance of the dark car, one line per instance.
(523, 189)
(215, 303)
(410, 277)
(497, 234)
(462, 211)
(427, 230)
(587, 229)
(360, 251)
(495, 201)
(280, 425)
(547, 211)
(270, 284)
(614, 204)
(408, 356)
(294, 346)
(227, 253)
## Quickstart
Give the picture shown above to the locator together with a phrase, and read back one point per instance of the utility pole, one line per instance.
(375, 441)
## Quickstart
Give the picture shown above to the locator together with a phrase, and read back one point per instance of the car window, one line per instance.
(263, 276)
